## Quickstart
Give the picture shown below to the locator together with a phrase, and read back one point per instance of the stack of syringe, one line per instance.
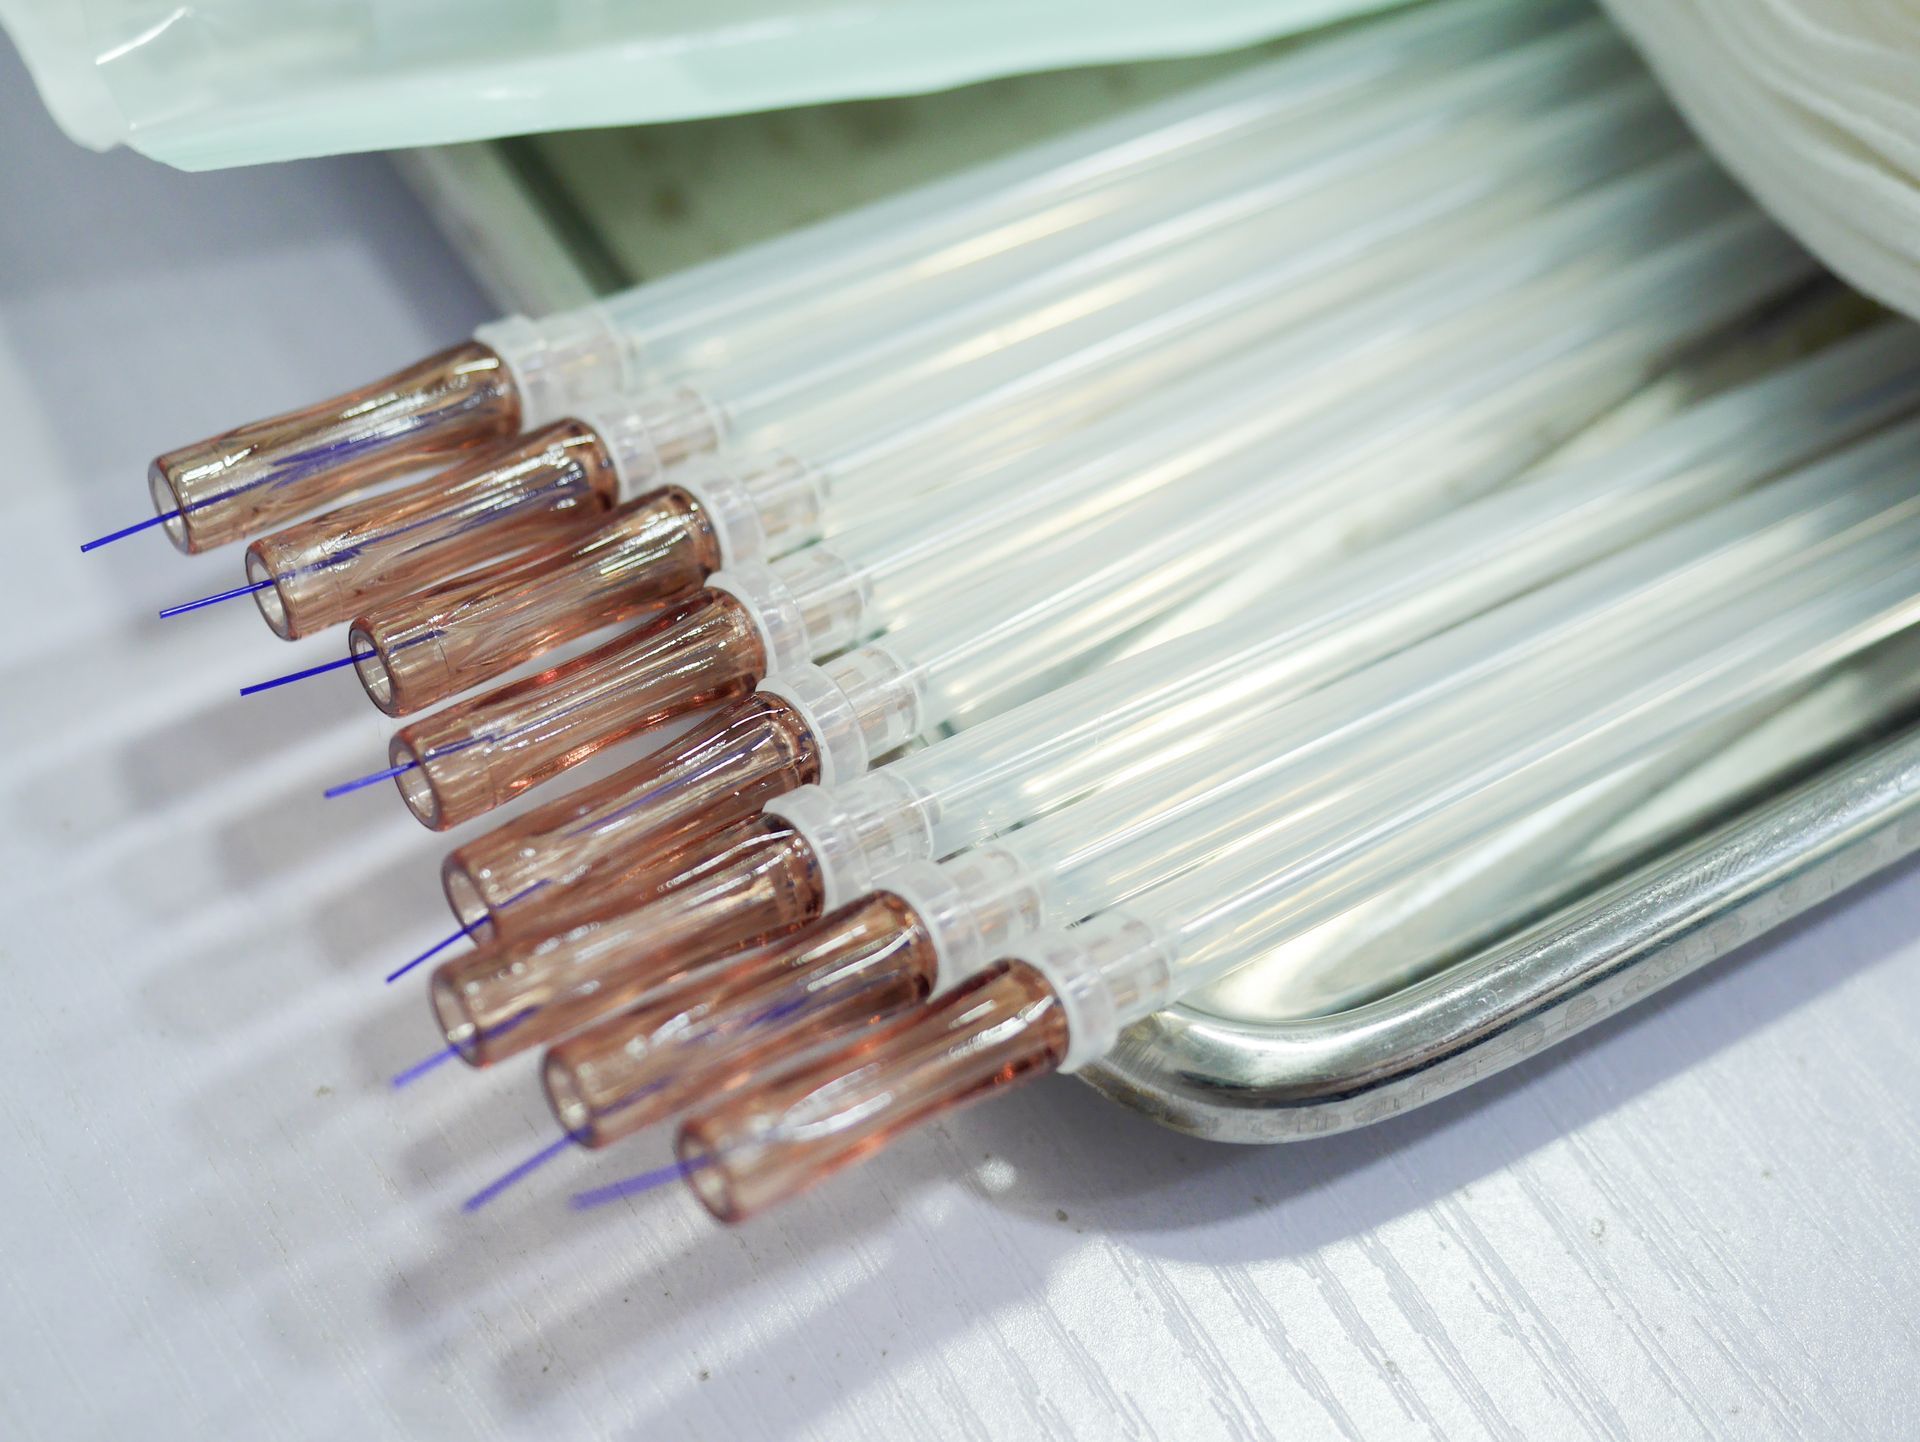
(1568, 647)
(930, 477)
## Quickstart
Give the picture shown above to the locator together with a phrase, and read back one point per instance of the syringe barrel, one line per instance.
(1194, 307)
(1275, 884)
(1020, 764)
(974, 228)
(1462, 420)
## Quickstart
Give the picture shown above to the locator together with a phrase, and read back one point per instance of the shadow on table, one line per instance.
(1083, 1167)
(1460, 1138)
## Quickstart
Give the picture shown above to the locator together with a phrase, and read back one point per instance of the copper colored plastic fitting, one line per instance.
(740, 1018)
(417, 649)
(508, 996)
(254, 476)
(618, 833)
(321, 571)
(760, 1144)
(481, 753)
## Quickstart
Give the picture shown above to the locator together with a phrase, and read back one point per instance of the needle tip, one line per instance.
(292, 676)
(516, 1174)
(138, 526)
(631, 1186)
(368, 780)
(431, 952)
(215, 599)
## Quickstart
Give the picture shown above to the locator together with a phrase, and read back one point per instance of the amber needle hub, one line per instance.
(245, 480)
(741, 1017)
(322, 571)
(418, 649)
(481, 753)
(619, 832)
(508, 996)
(759, 1144)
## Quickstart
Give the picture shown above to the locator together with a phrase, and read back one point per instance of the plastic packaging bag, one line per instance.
(202, 84)
(1815, 105)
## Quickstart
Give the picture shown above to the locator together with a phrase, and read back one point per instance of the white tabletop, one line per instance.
(216, 1220)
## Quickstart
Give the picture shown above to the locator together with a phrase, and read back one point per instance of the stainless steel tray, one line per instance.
(1287, 1081)
(507, 207)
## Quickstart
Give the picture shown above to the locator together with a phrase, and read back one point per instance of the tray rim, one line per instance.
(1281, 1082)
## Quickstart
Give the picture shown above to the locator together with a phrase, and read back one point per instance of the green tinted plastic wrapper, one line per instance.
(202, 84)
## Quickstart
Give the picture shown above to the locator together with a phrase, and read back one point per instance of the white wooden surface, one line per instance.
(216, 1221)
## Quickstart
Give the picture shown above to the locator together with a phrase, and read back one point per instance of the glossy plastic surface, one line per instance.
(721, 771)
(510, 995)
(1026, 762)
(1652, 616)
(259, 475)
(423, 647)
(1217, 919)
(480, 753)
(738, 1018)
(1203, 227)
(1576, 342)
(1036, 383)
(322, 571)
(761, 1144)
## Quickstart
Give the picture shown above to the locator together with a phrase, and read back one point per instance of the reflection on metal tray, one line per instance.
(1667, 871)
(1271, 1082)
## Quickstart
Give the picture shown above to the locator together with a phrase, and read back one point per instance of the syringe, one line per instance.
(1204, 255)
(971, 233)
(1767, 549)
(1470, 425)
(1062, 999)
(748, 504)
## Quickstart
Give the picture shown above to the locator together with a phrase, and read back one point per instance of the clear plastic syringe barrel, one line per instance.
(945, 233)
(1145, 348)
(1440, 330)
(494, 745)
(1065, 1006)
(1466, 698)
(957, 423)
(965, 388)
(1229, 222)
(977, 649)
(1490, 889)
(1021, 764)
(1189, 932)
(1190, 308)
(985, 400)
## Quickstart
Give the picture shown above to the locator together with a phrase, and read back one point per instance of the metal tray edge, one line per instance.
(1304, 1079)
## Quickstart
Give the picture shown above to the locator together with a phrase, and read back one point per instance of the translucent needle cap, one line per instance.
(756, 880)
(259, 475)
(414, 650)
(319, 572)
(618, 832)
(739, 1018)
(760, 1144)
